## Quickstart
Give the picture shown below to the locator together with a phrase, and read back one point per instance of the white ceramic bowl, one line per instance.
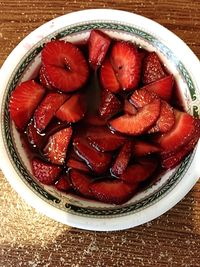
(23, 63)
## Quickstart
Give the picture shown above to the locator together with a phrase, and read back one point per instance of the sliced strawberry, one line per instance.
(46, 173)
(139, 172)
(43, 79)
(139, 123)
(47, 109)
(63, 184)
(103, 139)
(57, 146)
(122, 160)
(23, 102)
(142, 148)
(96, 160)
(152, 69)
(78, 165)
(180, 134)
(162, 87)
(81, 183)
(98, 44)
(142, 97)
(108, 78)
(166, 119)
(35, 138)
(112, 191)
(94, 120)
(126, 63)
(65, 66)
(73, 109)
(129, 108)
(110, 104)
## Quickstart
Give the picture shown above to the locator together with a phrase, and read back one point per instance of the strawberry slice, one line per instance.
(152, 69)
(57, 145)
(110, 104)
(63, 184)
(122, 160)
(140, 171)
(23, 102)
(126, 63)
(108, 78)
(139, 123)
(43, 79)
(112, 191)
(129, 108)
(94, 120)
(96, 160)
(73, 109)
(34, 138)
(166, 119)
(142, 97)
(180, 134)
(143, 148)
(47, 109)
(46, 173)
(103, 139)
(81, 183)
(65, 66)
(78, 165)
(98, 44)
(162, 87)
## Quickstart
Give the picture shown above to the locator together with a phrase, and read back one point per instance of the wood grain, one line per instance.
(28, 238)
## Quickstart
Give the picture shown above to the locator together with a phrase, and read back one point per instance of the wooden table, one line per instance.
(28, 238)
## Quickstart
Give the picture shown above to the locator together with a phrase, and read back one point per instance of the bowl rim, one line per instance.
(100, 224)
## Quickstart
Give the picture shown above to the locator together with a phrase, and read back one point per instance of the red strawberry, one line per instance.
(78, 165)
(35, 138)
(73, 109)
(47, 109)
(122, 160)
(166, 119)
(126, 63)
(103, 139)
(96, 160)
(63, 184)
(129, 108)
(112, 191)
(142, 97)
(98, 44)
(23, 102)
(94, 120)
(162, 87)
(46, 173)
(152, 69)
(65, 66)
(142, 148)
(139, 172)
(139, 123)
(108, 78)
(110, 105)
(43, 79)
(180, 134)
(57, 146)
(81, 183)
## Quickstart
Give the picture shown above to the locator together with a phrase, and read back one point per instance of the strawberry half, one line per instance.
(46, 173)
(122, 160)
(103, 139)
(129, 108)
(112, 191)
(63, 184)
(57, 146)
(139, 123)
(110, 105)
(139, 172)
(65, 66)
(126, 63)
(152, 69)
(162, 87)
(43, 79)
(96, 160)
(47, 109)
(23, 102)
(142, 97)
(98, 45)
(143, 148)
(81, 183)
(73, 109)
(78, 165)
(108, 78)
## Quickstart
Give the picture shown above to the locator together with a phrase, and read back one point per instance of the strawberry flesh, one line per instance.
(35, 138)
(143, 148)
(43, 79)
(94, 119)
(142, 97)
(78, 165)
(129, 108)
(63, 184)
